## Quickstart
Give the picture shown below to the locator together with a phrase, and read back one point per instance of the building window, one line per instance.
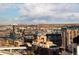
(70, 37)
(78, 32)
(74, 34)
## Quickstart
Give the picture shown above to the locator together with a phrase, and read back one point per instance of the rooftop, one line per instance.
(71, 28)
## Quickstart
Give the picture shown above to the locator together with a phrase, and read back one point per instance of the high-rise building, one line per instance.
(68, 34)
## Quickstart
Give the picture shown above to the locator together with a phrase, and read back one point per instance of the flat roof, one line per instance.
(3, 48)
(71, 28)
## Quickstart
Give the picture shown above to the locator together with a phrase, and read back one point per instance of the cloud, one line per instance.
(48, 13)
(42, 21)
(55, 10)
(4, 6)
(43, 12)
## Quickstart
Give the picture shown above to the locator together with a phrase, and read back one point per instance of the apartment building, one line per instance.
(68, 34)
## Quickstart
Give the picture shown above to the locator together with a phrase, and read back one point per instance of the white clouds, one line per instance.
(55, 10)
(37, 12)
(36, 21)
(4, 6)
(36, 9)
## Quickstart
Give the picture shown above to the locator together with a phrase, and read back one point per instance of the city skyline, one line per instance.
(35, 13)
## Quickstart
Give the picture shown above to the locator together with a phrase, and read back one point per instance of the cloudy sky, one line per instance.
(35, 13)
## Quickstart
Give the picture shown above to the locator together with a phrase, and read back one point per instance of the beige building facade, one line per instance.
(68, 34)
